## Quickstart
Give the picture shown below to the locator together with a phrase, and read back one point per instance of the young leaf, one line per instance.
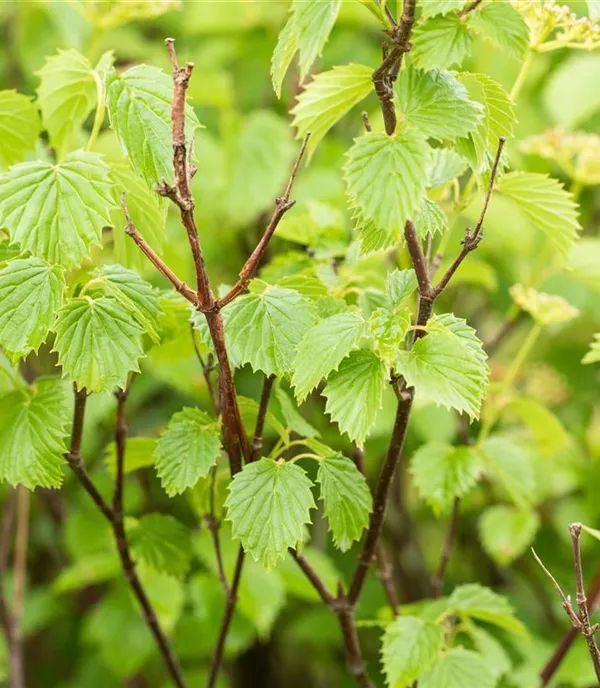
(506, 532)
(503, 25)
(442, 473)
(292, 416)
(31, 291)
(545, 309)
(323, 348)
(388, 329)
(163, 543)
(20, 125)
(139, 106)
(431, 8)
(437, 104)
(268, 505)
(402, 162)
(187, 450)
(476, 602)
(354, 394)
(98, 343)
(430, 219)
(346, 498)
(410, 646)
(57, 211)
(400, 284)
(327, 98)
(547, 204)
(511, 466)
(446, 165)
(265, 328)
(441, 42)
(32, 434)
(287, 45)
(313, 21)
(458, 668)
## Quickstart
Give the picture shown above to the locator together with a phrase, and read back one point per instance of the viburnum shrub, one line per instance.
(269, 414)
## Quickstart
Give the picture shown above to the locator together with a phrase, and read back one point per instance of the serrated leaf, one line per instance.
(400, 284)
(98, 343)
(163, 543)
(31, 291)
(374, 239)
(323, 348)
(268, 505)
(503, 25)
(446, 165)
(327, 98)
(477, 602)
(57, 212)
(545, 309)
(354, 394)
(313, 21)
(431, 8)
(410, 645)
(32, 434)
(506, 532)
(139, 454)
(346, 498)
(458, 668)
(294, 420)
(20, 126)
(430, 219)
(264, 329)
(442, 473)
(286, 48)
(441, 42)
(511, 466)
(139, 107)
(593, 355)
(436, 103)
(66, 94)
(403, 162)
(187, 450)
(388, 329)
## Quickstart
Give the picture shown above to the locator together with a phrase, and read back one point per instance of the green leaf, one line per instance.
(57, 212)
(593, 355)
(494, 655)
(399, 285)
(264, 329)
(187, 450)
(163, 543)
(388, 330)
(32, 434)
(437, 104)
(442, 473)
(410, 645)
(430, 219)
(549, 433)
(313, 21)
(268, 505)
(441, 42)
(20, 126)
(323, 348)
(511, 466)
(354, 394)
(446, 165)
(476, 602)
(249, 411)
(98, 343)
(431, 8)
(31, 291)
(458, 668)
(139, 107)
(346, 498)
(545, 309)
(506, 532)
(292, 416)
(287, 45)
(403, 162)
(547, 204)
(327, 98)
(503, 25)
(66, 94)
(139, 454)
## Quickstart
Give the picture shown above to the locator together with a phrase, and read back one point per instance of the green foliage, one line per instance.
(502, 24)
(20, 125)
(507, 532)
(511, 467)
(163, 543)
(313, 21)
(457, 668)
(441, 42)
(482, 604)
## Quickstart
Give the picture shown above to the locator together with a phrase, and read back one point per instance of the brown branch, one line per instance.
(355, 663)
(282, 205)
(20, 564)
(207, 367)
(436, 587)
(257, 441)
(470, 7)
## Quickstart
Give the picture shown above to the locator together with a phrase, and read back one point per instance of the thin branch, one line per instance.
(20, 564)
(470, 7)
(207, 367)
(436, 587)
(343, 608)
(282, 205)
(419, 261)
(257, 441)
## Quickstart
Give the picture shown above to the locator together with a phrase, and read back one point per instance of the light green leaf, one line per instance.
(547, 429)
(403, 162)
(57, 212)
(374, 239)
(442, 473)
(31, 291)
(388, 330)
(431, 8)
(545, 309)
(268, 505)
(323, 348)
(437, 104)
(346, 498)
(66, 94)
(546, 203)
(163, 543)
(446, 165)
(20, 126)
(458, 668)
(410, 645)
(507, 532)
(139, 106)
(400, 284)
(441, 42)
(327, 98)
(287, 45)
(187, 450)
(32, 434)
(98, 343)
(503, 25)
(430, 219)
(593, 355)
(313, 21)
(139, 454)
(292, 416)
(477, 602)
(354, 394)
(494, 655)
(511, 466)
(264, 329)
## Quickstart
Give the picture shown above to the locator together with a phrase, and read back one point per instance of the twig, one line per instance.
(282, 205)
(213, 525)
(257, 441)
(314, 578)
(207, 367)
(343, 608)
(20, 565)
(470, 7)
(436, 587)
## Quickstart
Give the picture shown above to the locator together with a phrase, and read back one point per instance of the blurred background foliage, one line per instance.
(81, 626)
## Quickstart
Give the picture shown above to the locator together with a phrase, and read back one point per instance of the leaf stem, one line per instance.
(522, 75)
